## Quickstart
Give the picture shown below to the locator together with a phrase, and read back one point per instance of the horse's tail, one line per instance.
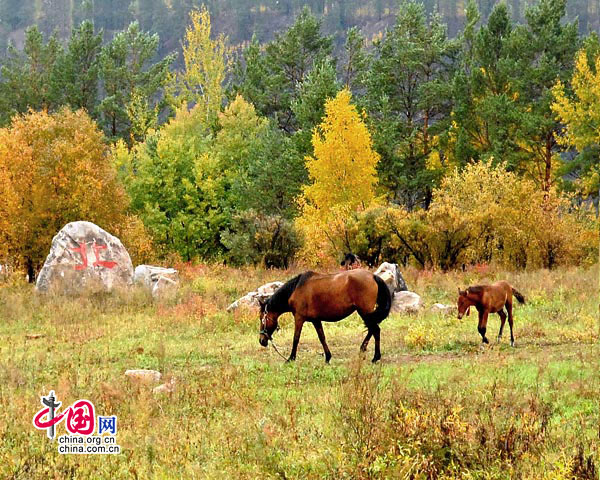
(519, 296)
(384, 302)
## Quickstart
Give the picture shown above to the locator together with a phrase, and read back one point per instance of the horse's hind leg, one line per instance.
(365, 343)
(376, 331)
(510, 322)
(321, 334)
(502, 320)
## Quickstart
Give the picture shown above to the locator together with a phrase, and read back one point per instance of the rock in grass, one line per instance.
(85, 258)
(442, 309)
(168, 387)
(406, 302)
(390, 274)
(251, 299)
(144, 376)
(34, 336)
(158, 280)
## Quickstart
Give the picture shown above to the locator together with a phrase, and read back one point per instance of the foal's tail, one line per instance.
(384, 302)
(519, 296)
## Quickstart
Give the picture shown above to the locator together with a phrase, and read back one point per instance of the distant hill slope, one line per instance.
(240, 19)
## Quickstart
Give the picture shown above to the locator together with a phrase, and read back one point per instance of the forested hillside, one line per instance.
(415, 146)
(240, 19)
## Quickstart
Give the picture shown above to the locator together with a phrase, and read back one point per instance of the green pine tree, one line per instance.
(126, 67)
(26, 76)
(409, 101)
(76, 71)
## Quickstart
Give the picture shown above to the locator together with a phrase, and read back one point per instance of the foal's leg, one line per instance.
(502, 320)
(321, 334)
(510, 322)
(482, 327)
(297, 330)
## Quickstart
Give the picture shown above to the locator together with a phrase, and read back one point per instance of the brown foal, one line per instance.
(490, 299)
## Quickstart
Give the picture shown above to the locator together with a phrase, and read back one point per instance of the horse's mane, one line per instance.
(278, 302)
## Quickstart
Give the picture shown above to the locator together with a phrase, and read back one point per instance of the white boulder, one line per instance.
(158, 280)
(406, 302)
(390, 274)
(83, 257)
(252, 299)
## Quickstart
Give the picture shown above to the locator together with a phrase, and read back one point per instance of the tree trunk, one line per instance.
(547, 183)
(426, 133)
(30, 271)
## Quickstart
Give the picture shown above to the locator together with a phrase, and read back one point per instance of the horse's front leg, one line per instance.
(299, 322)
(321, 334)
(482, 327)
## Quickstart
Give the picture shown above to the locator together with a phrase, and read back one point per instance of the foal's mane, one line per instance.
(475, 289)
(278, 302)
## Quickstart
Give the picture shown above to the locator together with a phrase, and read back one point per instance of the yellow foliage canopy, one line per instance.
(53, 170)
(342, 174)
(582, 114)
(204, 58)
(486, 214)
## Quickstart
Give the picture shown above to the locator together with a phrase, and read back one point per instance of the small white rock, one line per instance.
(442, 309)
(145, 376)
(168, 387)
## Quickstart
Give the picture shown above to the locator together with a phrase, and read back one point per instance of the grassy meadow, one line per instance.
(436, 406)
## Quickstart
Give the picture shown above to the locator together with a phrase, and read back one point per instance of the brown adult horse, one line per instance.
(490, 299)
(315, 298)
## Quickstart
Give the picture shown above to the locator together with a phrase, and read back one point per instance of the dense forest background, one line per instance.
(240, 19)
(438, 134)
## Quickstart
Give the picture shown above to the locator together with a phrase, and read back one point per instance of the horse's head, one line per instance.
(268, 323)
(464, 303)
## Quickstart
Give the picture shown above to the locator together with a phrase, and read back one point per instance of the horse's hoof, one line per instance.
(289, 360)
(375, 359)
(512, 344)
(327, 359)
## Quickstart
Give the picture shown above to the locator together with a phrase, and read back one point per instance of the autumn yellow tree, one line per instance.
(53, 170)
(581, 116)
(201, 82)
(342, 178)
(486, 214)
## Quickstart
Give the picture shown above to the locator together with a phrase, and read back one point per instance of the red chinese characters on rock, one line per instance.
(82, 250)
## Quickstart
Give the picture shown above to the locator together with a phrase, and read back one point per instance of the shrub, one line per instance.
(485, 214)
(256, 238)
